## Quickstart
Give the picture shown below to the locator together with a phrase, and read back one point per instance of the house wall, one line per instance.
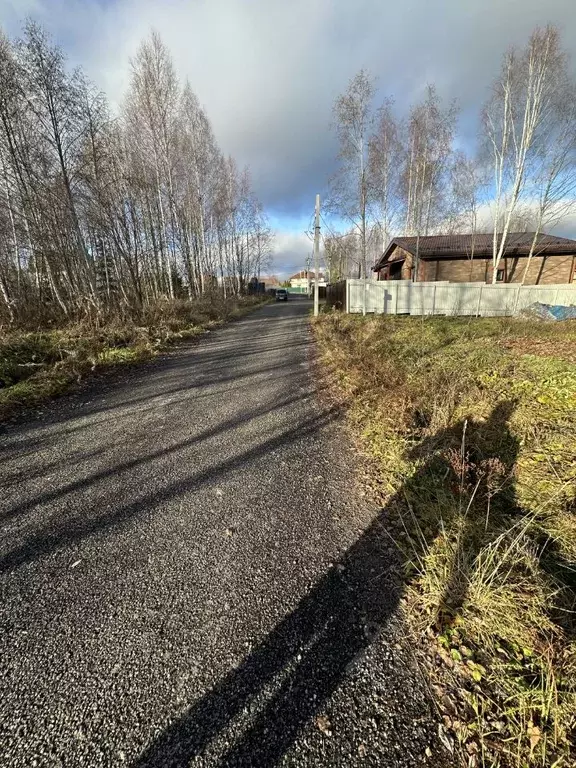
(399, 253)
(459, 270)
(543, 270)
(406, 273)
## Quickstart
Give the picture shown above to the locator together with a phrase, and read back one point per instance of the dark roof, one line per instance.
(457, 246)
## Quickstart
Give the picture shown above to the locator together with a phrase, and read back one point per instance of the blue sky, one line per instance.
(268, 71)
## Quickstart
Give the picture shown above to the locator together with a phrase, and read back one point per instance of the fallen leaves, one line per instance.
(323, 724)
(534, 734)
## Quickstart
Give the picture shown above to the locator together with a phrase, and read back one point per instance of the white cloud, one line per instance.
(291, 250)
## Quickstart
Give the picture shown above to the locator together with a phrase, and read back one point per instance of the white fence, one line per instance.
(396, 297)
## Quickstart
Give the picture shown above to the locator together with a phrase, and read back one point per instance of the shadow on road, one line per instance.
(74, 529)
(285, 681)
(306, 656)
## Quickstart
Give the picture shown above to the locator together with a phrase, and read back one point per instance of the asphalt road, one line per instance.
(188, 575)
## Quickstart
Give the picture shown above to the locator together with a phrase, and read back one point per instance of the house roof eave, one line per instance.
(386, 255)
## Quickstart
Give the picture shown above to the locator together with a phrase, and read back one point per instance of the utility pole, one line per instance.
(316, 254)
(309, 284)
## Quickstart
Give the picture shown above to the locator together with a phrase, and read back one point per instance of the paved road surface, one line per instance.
(187, 578)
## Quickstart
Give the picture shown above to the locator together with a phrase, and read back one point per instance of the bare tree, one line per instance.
(385, 153)
(467, 182)
(551, 183)
(514, 118)
(151, 115)
(430, 136)
(101, 214)
(53, 97)
(353, 120)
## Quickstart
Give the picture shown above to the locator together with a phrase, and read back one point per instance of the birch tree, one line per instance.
(521, 103)
(384, 165)
(429, 146)
(551, 184)
(151, 114)
(105, 214)
(353, 119)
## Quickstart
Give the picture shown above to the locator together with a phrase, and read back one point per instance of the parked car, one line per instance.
(281, 294)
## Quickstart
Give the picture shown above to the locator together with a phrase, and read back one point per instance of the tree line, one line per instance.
(405, 175)
(103, 213)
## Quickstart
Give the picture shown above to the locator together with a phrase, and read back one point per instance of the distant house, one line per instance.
(302, 279)
(270, 281)
(468, 259)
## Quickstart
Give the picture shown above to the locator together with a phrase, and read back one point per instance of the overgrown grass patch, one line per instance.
(469, 427)
(36, 365)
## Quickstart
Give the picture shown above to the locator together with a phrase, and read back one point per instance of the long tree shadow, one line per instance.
(306, 657)
(73, 530)
(126, 466)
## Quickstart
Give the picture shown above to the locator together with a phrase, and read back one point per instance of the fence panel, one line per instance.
(376, 296)
(336, 295)
(397, 297)
(497, 300)
(458, 299)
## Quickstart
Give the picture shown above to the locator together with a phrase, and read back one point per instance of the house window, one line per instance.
(500, 275)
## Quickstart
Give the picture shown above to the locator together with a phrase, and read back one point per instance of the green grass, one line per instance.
(38, 365)
(470, 430)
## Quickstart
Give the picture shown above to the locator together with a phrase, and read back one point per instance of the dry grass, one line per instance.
(470, 428)
(37, 365)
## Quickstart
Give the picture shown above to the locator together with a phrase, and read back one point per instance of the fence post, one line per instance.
(516, 300)
(479, 301)
(434, 299)
(396, 302)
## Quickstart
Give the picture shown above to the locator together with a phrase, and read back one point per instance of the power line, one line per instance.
(331, 231)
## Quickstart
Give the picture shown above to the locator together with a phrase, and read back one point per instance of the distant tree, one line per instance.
(429, 147)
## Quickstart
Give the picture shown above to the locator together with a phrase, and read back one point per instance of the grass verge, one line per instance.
(469, 430)
(38, 365)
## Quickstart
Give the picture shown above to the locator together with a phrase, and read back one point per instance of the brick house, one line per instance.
(270, 281)
(468, 259)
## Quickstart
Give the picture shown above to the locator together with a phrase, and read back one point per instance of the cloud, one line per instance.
(291, 250)
(268, 71)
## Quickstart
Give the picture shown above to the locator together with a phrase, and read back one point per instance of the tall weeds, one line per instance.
(38, 364)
